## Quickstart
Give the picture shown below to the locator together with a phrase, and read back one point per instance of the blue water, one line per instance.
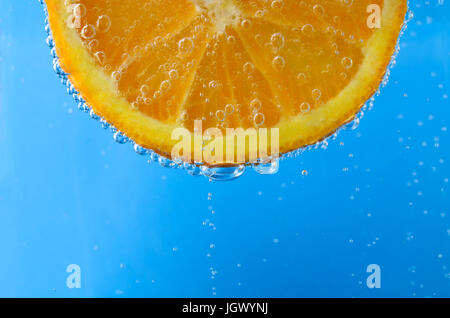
(379, 195)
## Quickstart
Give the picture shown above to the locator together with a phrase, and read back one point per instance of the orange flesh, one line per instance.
(229, 63)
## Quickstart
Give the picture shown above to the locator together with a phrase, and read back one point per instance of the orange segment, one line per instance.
(150, 66)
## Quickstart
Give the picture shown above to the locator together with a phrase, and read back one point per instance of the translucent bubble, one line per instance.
(259, 13)
(140, 150)
(259, 119)
(307, 29)
(348, 2)
(186, 45)
(301, 77)
(268, 168)
(229, 109)
(220, 115)
(79, 10)
(231, 40)
(248, 68)
(101, 57)
(319, 10)
(88, 31)
(223, 173)
(103, 23)
(145, 89)
(213, 84)
(278, 63)
(246, 24)
(305, 107)
(173, 74)
(277, 4)
(116, 75)
(256, 105)
(120, 138)
(316, 94)
(347, 62)
(93, 44)
(277, 41)
(165, 86)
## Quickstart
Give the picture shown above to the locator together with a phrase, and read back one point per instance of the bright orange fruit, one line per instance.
(150, 66)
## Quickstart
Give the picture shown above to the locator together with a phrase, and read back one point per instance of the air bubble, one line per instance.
(278, 63)
(319, 10)
(220, 115)
(307, 29)
(88, 31)
(347, 62)
(173, 74)
(165, 86)
(316, 94)
(277, 41)
(259, 119)
(116, 75)
(246, 24)
(101, 57)
(255, 105)
(229, 109)
(248, 68)
(186, 45)
(305, 107)
(103, 23)
(79, 10)
(145, 89)
(268, 168)
(277, 4)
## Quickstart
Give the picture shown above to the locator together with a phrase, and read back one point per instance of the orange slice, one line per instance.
(148, 67)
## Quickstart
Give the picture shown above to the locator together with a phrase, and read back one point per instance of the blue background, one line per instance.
(70, 195)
